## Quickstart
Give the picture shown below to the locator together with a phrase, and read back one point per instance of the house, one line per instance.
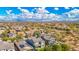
(48, 40)
(21, 33)
(11, 35)
(6, 46)
(42, 44)
(12, 31)
(30, 33)
(38, 42)
(23, 45)
(52, 41)
(2, 29)
(29, 44)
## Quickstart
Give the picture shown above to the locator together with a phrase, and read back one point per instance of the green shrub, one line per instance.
(5, 38)
(48, 48)
(56, 47)
(65, 47)
(40, 49)
(37, 34)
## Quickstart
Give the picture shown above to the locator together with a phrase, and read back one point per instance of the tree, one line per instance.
(60, 47)
(37, 34)
(13, 39)
(48, 48)
(4, 34)
(65, 47)
(18, 37)
(5, 38)
(26, 36)
(8, 38)
(56, 47)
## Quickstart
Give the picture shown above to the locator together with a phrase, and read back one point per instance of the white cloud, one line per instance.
(10, 14)
(72, 7)
(72, 13)
(56, 8)
(40, 13)
(13, 16)
(19, 8)
(52, 16)
(34, 9)
(1, 17)
(8, 11)
(37, 16)
(41, 10)
(67, 7)
(45, 16)
(23, 10)
(43, 7)
(25, 13)
(30, 15)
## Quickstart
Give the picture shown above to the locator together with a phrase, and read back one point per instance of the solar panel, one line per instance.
(21, 45)
(30, 42)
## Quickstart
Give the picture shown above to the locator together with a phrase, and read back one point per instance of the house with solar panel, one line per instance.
(24, 45)
(29, 44)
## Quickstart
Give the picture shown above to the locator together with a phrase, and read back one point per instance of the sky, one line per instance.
(39, 13)
(55, 10)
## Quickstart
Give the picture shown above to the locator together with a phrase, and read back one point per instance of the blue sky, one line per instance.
(39, 13)
(55, 10)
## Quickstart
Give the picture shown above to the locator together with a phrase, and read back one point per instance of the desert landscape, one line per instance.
(39, 36)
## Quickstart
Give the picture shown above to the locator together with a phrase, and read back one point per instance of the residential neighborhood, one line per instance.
(29, 36)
